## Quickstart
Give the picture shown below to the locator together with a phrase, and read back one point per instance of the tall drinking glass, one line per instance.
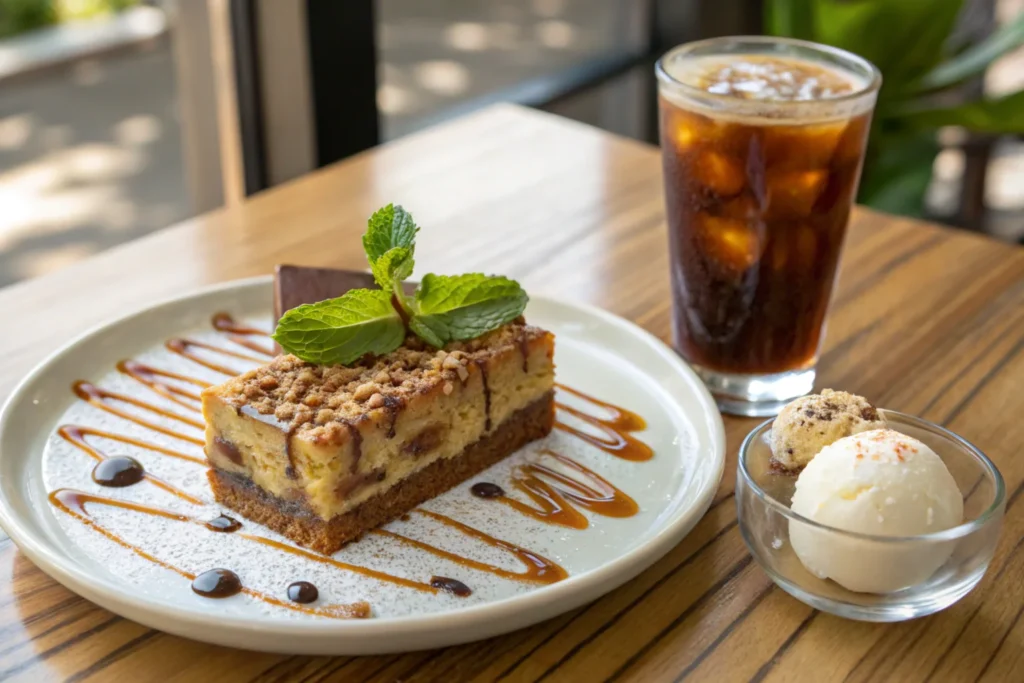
(762, 142)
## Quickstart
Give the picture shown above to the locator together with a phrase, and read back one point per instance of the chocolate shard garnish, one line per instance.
(297, 285)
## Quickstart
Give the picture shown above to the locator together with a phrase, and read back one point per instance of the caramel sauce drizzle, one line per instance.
(524, 351)
(237, 333)
(550, 504)
(538, 569)
(73, 503)
(105, 400)
(223, 322)
(151, 377)
(330, 561)
(617, 439)
(481, 365)
(552, 492)
(76, 434)
(184, 347)
(253, 346)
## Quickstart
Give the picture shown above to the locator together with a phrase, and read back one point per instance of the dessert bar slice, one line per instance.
(323, 454)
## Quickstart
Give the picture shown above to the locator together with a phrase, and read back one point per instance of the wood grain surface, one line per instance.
(925, 320)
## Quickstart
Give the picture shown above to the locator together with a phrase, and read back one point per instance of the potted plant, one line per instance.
(924, 69)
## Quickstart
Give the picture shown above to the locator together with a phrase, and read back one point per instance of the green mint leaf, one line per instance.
(421, 328)
(343, 330)
(393, 266)
(458, 307)
(388, 228)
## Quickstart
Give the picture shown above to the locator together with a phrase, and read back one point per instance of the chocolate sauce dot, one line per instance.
(224, 524)
(486, 489)
(118, 471)
(217, 583)
(453, 586)
(302, 592)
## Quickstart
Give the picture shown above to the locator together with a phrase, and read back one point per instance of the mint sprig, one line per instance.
(389, 227)
(444, 308)
(390, 243)
(392, 267)
(460, 307)
(343, 330)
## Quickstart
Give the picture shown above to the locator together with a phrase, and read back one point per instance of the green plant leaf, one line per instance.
(456, 307)
(792, 18)
(919, 31)
(976, 58)
(903, 38)
(393, 266)
(910, 41)
(19, 16)
(389, 227)
(898, 171)
(1004, 115)
(904, 194)
(340, 331)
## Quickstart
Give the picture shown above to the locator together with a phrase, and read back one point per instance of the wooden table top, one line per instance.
(926, 320)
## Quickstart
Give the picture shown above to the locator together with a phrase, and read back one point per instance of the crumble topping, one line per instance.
(320, 400)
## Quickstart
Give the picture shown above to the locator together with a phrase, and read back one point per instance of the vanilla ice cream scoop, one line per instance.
(881, 483)
(810, 423)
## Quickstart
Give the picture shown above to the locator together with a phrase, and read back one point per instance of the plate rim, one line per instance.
(558, 597)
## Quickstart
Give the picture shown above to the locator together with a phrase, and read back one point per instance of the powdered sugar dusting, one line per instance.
(195, 549)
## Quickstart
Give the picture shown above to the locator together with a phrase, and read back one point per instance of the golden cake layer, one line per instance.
(322, 454)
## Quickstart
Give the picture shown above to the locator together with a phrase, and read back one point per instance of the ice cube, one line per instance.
(680, 129)
(801, 147)
(743, 207)
(731, 244)
(792, 194)
(688, 130)
(684, 136)
(719, 173)
(850, 145)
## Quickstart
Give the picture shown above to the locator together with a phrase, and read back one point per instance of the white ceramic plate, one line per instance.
(597, 353)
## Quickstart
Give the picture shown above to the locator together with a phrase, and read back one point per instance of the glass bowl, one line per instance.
(934, 569)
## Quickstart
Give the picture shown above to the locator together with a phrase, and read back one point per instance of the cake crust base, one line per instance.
(295, 521)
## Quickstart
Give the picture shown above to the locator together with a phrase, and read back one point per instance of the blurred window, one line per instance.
(90, 152)
(437, 59)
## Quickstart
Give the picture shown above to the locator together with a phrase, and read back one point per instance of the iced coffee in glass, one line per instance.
(762, 142)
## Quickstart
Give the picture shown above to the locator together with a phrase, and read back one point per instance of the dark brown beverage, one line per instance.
(762, 156)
